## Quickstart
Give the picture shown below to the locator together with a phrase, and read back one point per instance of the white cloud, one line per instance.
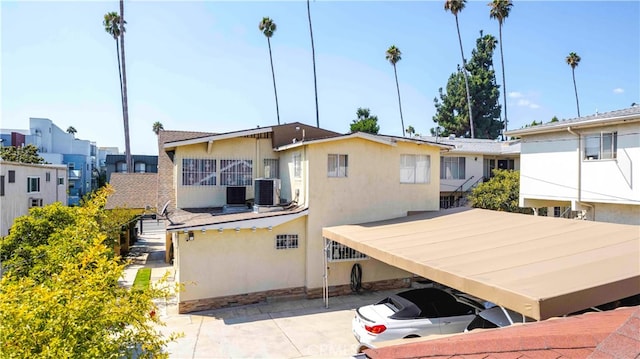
(527, 103)
(515, 94)
(618, 90)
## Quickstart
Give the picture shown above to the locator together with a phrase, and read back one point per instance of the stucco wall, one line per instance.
(617, 213)
(218, 264)
(371, 191)
(215, 196)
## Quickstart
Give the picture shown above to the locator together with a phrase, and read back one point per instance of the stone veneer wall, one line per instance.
(301, 292)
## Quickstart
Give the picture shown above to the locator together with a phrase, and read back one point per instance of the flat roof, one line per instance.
(538, 266)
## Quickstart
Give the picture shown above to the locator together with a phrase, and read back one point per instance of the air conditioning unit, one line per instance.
(35, 202)
(236, 195)
(267, 191)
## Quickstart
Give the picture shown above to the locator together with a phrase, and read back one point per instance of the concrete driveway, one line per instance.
(277, 329)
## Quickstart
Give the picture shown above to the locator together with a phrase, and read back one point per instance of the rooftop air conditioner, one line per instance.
(267, 191)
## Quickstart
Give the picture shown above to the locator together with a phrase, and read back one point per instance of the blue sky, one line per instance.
(204, 65)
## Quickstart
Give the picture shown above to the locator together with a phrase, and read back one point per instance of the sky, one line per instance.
(204, 65)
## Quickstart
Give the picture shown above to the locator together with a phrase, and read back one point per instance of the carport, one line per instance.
(538, 266)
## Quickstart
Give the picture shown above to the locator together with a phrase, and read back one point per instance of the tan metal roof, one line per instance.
(538, 266)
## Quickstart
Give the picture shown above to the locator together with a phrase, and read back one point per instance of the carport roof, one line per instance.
(538, 266)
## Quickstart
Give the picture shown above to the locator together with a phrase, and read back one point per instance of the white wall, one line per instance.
(15, 202)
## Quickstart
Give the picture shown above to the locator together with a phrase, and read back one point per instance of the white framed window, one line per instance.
(452, 168)
(236, 172)
(415, 168)
(60, 181)
(47, 177)
(33, 184)
(35, 202)
(121, 167)
(601, 146)
(297, 165)
(337, 165)
(271, 168)
(198, 172)
(286, 241)
(337, 252)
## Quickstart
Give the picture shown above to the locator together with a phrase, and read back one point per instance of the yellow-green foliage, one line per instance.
(500, 193)
(60, 296)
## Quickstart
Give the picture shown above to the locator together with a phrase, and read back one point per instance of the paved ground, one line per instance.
(301, 328)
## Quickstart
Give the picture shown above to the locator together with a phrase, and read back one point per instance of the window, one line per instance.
(198, 172)
(60, 180)
(415, 168)
(236, 172)
(121, 167)
(71, 165)
(337, 166)
(33, 184)
(1, 185)
(297, 166)
(140, 167)
(602, 146)
(286, 241)
(271, 168)
(340, 253)
(47, 177)
(12, 176)
(452, 168)
(35, 202)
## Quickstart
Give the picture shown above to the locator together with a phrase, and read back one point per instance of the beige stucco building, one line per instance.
(247, 208)
(25, 185)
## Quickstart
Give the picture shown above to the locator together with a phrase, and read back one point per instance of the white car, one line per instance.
(414, 313)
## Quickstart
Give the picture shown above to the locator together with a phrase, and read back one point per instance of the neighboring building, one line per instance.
(257, 200)
(24, 185)
(470, 163)
(587, 167)
(59, 147)
(142, 164)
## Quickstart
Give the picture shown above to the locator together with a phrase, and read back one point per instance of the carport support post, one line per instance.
(325, 276)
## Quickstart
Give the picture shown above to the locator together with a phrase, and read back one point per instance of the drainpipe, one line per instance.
(579, 168)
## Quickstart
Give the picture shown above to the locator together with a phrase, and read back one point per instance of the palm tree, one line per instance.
(393, 55)
(410, 130)
(268, 27)
(313, 57)
(125, 102)
(111, 25)
(573, 60)
(157, 127)
(72, 130)
(455, 6)
(500, 10)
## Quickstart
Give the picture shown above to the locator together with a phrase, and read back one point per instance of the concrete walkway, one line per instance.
(301, 328)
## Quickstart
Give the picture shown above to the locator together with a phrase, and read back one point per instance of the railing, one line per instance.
(458, 197)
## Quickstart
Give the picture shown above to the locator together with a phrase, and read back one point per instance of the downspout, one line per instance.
(579, 168)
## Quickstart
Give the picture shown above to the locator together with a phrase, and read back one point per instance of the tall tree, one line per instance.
(450, 107)
(60, 296)
(157, 127)
(365, 122)
(125, 100)
(72, 130)
(111, 25)
(23, 154)
(393, 55)
(268, 27)
(455, 6)
(500, 10)
(573, 60)
(410, 130)
(313, 57)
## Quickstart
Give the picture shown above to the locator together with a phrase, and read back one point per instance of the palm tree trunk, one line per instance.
(273, 75)
(573, 73)
(466, 81)
(504, 84)
(313, 56)
(399, 103)
(120, 76)
(125, 105)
